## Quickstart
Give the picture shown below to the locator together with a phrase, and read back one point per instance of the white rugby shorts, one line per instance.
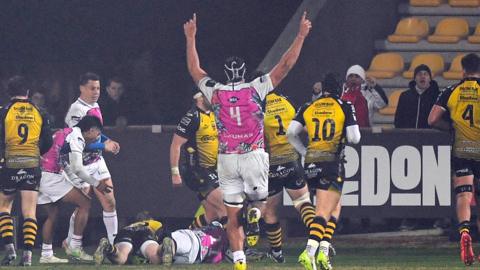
(98, 170)
(52, 188)
(243, 174)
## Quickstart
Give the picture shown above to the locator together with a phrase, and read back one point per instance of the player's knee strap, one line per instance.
(305, 198)
(463, 188)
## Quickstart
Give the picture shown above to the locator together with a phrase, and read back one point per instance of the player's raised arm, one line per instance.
(290, 57)
(193, 62)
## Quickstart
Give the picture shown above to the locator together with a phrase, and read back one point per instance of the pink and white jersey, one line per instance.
(79, 109)
(64, 141)
(239, 113)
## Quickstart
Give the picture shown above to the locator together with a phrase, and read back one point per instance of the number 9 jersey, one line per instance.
(462, 102)
(326, 120)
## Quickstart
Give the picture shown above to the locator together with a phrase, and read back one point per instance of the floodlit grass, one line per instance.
(352, 254)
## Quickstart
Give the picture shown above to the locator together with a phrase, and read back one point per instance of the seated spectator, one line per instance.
(352, 92)
(415, 104)
(316, 90)
(117, 109)
(56, 102)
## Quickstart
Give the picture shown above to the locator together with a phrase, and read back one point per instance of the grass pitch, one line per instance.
(353, 253)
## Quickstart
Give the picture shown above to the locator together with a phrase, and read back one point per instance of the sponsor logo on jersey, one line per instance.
(233, 99)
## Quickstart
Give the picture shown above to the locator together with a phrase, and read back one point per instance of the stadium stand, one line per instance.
(426, 3)
(450, 30)
(392, 103)
(475, 38)
(410, 30)
(455, 71)
(433, 60)
(386, 65)
(464, 3)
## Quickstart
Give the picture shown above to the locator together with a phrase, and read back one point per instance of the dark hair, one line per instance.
(89, 76)
(115, 79)
(17, 86)
(330, 84)
(89, 122)
(471, 63)
(144, 215)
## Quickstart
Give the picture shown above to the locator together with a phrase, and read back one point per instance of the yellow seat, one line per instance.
(426, 3)
(475, 38)
(410, 30)
(455, 72)
(433, 60)
(464, 3)
(392, 103)
(450, 30)
(386, 65)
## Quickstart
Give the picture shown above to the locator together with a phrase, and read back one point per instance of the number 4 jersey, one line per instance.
(326, 120)
(462, 102)
(25, 134)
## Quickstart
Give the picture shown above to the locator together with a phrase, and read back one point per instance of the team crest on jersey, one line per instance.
(233, 99)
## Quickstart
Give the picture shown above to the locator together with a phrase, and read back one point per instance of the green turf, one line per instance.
(352, 254)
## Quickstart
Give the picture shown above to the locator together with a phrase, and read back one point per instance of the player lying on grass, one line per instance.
(62, 175)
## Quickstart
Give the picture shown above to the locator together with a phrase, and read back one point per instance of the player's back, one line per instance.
(464, 106)
(325, 120)
(279, 112)
(51, 159)
(22, 125)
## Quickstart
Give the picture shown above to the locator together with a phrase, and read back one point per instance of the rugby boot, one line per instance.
(26, 258)
(253, 227)
(80, 254)
(240, 265)
(323, 261)
(306, 261)
(254, 254)
(466, 249)
(9, 259)
(167, 251)
(276, 256)
(52, 260)
(99, 255)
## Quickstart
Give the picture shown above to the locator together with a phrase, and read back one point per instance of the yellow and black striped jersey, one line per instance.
(199, 128)
(326, 119)
(462, 102)
(279, 112)
(26, 134)
(151, 224)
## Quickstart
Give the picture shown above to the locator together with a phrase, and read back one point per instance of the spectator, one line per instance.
(316, 90)
(352, 92)
(116, 107)
(375, 96)
(417, 101)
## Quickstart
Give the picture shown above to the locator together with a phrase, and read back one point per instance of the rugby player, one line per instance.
(197, 132)
(461, 103)
(328, 121)
(25, 135)
(87, 104)
(242, 162)
(62, 175)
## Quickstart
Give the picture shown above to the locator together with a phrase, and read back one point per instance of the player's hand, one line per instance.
(190, 27)
(305, 26)
(371, 82)
(104, 188)
(112, 147)
(176, 181)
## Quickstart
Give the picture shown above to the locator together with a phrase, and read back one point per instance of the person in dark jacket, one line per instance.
(416, 102)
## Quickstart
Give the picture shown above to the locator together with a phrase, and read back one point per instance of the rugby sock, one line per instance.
(239, 256)
(6, 228)
(198, 222)
(47, 250)
(111, 224)
(274, 235)
(29, 233)
(464, 226)
(76, 241)
(307, 212)
(317, 229)
(330, 229)
(71, 226)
